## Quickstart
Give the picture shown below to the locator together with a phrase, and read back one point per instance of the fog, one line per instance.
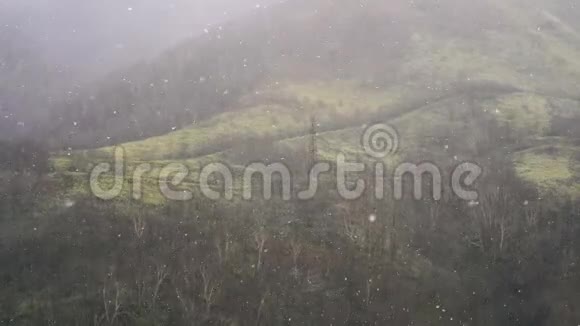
(94, 37)
(289, 162)
(67, 44)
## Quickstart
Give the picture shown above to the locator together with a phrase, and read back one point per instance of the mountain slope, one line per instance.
(209, 74)
(511, 76)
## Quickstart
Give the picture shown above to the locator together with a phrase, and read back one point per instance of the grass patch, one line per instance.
(440, 62)
(527, 114)
(333, 103)
(343, 97)
(554, 170)
(217, 134)
(60, 163)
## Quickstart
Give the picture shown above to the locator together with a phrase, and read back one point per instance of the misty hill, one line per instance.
(50, 49)
(488, 82)
(403, 45)
(484, 80)
(91, 39)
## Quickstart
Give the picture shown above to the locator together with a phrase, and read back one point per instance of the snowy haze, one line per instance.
(96, 36)
(51, 47)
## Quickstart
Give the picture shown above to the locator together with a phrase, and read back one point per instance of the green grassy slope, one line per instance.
(444, 88)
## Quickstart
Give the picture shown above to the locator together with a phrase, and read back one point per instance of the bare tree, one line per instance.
(210, 288)
(354, 230)
(493, 220)
(296, 248)
(261, 307)
(186, 292)
(223, 246)
(160, 275)
(138, 225)
(532, 214)
(187, 304)
(111, 305)
(434, 211)
(260, 238)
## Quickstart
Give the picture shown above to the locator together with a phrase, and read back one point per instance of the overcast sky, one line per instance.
(95, 36)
